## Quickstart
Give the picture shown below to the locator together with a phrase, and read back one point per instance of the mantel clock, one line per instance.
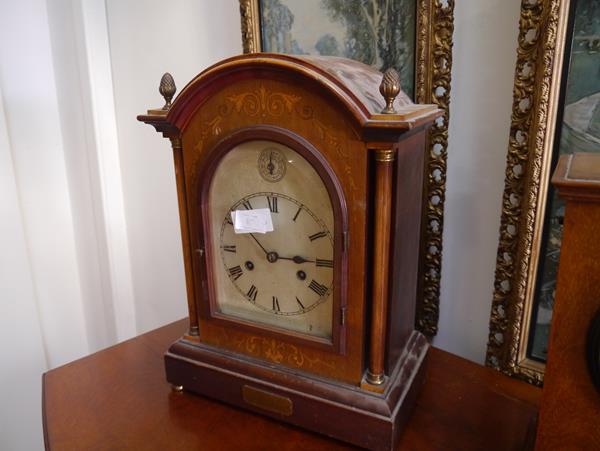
(299, 183)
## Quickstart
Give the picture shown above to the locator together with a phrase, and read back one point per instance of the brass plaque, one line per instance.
(267, 401)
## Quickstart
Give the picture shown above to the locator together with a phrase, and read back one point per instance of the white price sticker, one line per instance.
(252, 221)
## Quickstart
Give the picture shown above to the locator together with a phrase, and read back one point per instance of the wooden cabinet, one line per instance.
(570, 410)
(311, 323)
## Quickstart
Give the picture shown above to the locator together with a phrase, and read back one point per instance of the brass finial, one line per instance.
(389, 89)
(167, 89)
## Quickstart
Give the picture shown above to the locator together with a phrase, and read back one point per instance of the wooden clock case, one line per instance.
(569, 415)
(359, 386)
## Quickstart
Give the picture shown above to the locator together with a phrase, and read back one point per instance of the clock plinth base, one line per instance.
(342, 411)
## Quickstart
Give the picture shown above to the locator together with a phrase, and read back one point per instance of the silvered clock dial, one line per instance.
(282, 278)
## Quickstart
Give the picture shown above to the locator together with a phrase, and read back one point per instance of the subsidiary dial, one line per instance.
(271, 165)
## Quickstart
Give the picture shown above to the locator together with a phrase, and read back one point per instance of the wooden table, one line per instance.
(118, 399)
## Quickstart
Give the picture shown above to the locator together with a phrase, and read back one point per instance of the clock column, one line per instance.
(185, 233)
(384, 159)
(158, 119)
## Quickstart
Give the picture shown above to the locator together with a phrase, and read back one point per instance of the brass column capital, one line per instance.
(176, 143)
(385, 155)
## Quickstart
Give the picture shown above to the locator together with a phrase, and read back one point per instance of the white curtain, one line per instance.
(90, 252)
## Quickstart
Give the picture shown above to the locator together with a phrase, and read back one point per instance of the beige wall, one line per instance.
(485, 51)
(148, 38)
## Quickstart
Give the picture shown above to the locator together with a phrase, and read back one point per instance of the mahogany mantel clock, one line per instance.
(299, 183)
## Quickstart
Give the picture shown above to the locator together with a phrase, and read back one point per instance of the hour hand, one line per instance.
(297, 259)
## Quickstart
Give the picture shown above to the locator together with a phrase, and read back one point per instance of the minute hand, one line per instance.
(297, 259)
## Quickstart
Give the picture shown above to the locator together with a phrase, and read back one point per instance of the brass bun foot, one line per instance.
(177, 388)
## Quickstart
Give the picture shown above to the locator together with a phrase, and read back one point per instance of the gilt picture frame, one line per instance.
(544, 112)
(433, 28)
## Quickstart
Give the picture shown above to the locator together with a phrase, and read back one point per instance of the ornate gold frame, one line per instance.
(435, 25)
(541, 42)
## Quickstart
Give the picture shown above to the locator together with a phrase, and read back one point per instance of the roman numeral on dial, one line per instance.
(247, 205)
(300, 303)
(297, 213)
(276, 304)
(235, 272)
(317, 288)
(324, 263)
(272, 201)
(317, 235)
(228, 248)
(252, 292)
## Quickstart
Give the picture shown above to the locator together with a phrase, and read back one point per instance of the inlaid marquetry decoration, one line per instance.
(411, 37)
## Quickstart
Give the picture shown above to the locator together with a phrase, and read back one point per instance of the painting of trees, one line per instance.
(380, 33)
(277, 30)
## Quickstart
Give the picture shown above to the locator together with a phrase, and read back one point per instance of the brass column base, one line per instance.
(378, 385)
(375, 379)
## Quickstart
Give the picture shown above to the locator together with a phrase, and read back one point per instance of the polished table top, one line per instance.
(118, 399)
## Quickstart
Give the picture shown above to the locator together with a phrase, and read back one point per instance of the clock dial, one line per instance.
(282, 278)
(285, 272)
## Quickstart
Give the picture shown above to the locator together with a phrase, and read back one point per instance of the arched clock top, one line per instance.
(373, 100)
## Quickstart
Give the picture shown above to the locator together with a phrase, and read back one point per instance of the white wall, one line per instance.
(148, 38)
(89, 231)
(484, 58)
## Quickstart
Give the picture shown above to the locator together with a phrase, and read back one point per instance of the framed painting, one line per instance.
(412, 36)
(556, 110)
